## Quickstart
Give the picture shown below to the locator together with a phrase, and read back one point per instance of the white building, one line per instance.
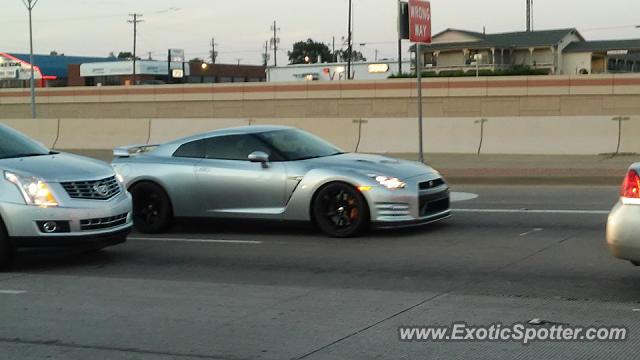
(378, 70)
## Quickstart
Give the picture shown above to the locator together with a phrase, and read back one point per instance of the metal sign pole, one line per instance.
(419, 76)
(32, 79)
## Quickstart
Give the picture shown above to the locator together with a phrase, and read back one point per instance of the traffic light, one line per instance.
(403, 20)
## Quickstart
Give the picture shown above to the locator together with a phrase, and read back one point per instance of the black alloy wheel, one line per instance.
(152, 213)
(340, 210)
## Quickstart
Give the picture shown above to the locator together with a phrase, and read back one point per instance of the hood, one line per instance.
(58, 167)
(376, 165)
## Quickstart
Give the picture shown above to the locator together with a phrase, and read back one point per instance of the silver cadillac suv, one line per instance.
(50, 199)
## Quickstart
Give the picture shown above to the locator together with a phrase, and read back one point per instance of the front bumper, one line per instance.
(410, 206)
(623, 232)
(86, 222)
(88, 241)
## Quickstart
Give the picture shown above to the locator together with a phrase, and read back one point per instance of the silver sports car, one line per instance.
(277, 173)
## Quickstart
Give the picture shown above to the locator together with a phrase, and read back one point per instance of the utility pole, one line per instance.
(529, 5)
(214, 53)
(275, 41)
(30, 4)
(349, 43)
(150, 57)
(135, 20)
(399, 37)
(265, 55)
(333, 50)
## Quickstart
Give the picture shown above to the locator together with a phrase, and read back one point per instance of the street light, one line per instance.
(204, 66)
(30, 4)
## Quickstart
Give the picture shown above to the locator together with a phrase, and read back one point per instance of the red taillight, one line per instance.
(631, 186)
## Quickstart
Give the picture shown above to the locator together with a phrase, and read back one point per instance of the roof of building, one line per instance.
(603, 46)
(57, 65)
(467, 32)
(507, 40)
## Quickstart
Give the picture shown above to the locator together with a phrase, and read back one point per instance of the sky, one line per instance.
(241, 27)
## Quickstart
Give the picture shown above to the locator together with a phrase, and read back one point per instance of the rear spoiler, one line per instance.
(133, 150)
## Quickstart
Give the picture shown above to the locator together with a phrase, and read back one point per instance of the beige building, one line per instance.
(562, 51)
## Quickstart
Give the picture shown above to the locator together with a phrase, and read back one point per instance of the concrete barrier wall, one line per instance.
(43, 130)
(526, 115)
(593, 95)
(577, 135)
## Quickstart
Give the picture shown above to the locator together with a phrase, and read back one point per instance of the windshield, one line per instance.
(13, 145)
(295, 144)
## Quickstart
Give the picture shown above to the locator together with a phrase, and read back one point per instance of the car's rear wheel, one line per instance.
(340, 210)
(7, 250)
(152, 211)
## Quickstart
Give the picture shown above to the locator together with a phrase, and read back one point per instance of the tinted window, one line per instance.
(194, 149)
(13, 144)
(295, 144)
(237, 147)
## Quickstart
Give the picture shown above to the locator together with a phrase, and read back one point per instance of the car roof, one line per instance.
(168, 148)
(254, 129)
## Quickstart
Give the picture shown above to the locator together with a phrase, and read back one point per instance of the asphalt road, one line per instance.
(212, 290)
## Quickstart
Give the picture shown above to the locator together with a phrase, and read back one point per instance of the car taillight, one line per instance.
(631, 186)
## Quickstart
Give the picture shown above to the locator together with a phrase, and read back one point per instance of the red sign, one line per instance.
(420, 21)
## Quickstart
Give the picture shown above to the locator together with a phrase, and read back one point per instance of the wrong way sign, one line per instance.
(420, 21)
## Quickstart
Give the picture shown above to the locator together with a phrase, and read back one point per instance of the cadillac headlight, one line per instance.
(34, 190)
(390, 182)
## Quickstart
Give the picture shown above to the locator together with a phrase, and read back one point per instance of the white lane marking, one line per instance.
(527, 211)
(532, 231)
(196, 240)
(12, 292)
(462, 196)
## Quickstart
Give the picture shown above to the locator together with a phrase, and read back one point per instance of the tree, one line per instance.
(309, 52)
(55, 53)
(112, 55)
(355, 55)
(196, 61)
(126, 55)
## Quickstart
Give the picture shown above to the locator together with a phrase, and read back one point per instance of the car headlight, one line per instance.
(120, 178)
(34, 190)
(390, 182)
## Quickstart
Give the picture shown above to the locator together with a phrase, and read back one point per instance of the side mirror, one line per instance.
(259, 157)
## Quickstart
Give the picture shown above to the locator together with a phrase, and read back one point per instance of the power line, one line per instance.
(89, 17)
(620, 27)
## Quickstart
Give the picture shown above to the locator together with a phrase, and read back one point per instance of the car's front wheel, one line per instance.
(340, 210)
(152, 211)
